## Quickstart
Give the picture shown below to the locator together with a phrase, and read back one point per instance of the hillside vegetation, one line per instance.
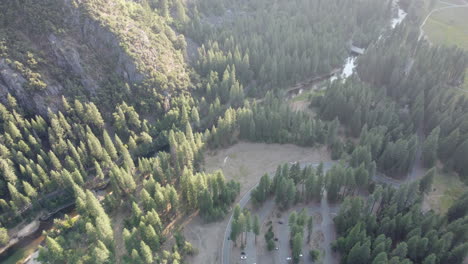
(105, 51)
(107, 106)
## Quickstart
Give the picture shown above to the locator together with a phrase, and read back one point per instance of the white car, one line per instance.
(288, 258)
(243, 257)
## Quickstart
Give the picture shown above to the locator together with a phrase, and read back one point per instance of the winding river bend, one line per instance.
(24, 249)
(327, 225)
(350, 63)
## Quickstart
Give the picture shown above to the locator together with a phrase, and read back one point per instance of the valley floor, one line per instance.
(246, 163)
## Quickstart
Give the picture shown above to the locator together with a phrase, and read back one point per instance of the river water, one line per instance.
(400, 16)
(19, 252)
(350, 62)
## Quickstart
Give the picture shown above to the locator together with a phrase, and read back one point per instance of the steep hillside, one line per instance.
(106, 50)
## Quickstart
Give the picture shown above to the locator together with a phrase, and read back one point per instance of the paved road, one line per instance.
(227, 244)
(262, 213)
(421, 31)
(282, 232)
(328, 230)
(327, 225)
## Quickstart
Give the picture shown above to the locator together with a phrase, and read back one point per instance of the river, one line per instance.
(350, 62)
(22, 250)
(25, 250)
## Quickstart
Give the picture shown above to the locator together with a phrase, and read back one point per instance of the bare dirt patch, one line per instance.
(318, 239)
(246, 163)
(207, 238)
(446, 189)
(302, 106)
(317, 219)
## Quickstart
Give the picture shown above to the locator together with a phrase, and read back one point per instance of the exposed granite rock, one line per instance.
(102, 41)
(13, 82)
(66, 56)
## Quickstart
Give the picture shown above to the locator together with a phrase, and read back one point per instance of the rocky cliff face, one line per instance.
(101, 40)
(13, 82)
(82, 57)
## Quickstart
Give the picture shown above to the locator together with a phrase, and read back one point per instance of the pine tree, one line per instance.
(458, 254)
(256, 227)
(430, 147)
(431, 259)
(309, 228)
(29, 190)
(55, 161)
(99, 173)
(195, 117)
(426, 182)
(296, 246)
(381, 258)
(109, 145)
(460, 158)
(401, 250)
(359, 253)
(449, 144)
(164, 8)
(146, 253)
(7, 171)
(100, 253)
(3, 236)
(18, 199)
(54, 250)
(12, 130)
(180, 11)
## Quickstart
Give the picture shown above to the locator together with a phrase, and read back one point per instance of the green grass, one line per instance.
(448, 31)
(449, 27)
(448, 188)
(465, 85)
(455, 2)
(242, 173)
(304, 96)
(439, 5)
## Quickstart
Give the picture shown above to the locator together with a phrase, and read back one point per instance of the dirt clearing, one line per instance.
(246, 163)
(446, 189)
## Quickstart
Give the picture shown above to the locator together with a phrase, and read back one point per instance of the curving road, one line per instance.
(450, 5)
(262, 214)
(328, 230)
(326, 210)
(327, 225)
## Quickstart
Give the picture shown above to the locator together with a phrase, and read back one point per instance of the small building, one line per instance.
(357, 50)
(354, 49)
